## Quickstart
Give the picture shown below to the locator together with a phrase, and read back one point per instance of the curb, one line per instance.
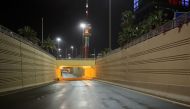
(25, 89)
(144, 93)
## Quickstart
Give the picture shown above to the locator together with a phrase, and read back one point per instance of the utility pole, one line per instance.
(66, 55)
(94, 53)
(42, 30)
(110, 24)
(76, 53)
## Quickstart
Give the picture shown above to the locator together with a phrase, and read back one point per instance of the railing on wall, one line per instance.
(178, 22)
(18, 37)
(76, 59)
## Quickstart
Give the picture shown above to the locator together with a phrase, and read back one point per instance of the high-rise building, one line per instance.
(177, 5)
(144, 7)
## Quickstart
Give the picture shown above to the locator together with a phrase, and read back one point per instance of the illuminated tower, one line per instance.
(86, 35)
(86, 38)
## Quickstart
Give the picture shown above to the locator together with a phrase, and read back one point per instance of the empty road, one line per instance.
(82, 95)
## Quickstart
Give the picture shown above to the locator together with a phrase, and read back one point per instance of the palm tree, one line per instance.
(105, 51)
(128, 31)
(29, 33)
(49, 44)
(155, 19)
(121, 39)
(127, 18)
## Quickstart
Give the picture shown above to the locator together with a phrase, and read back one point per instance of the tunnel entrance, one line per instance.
(76, 73)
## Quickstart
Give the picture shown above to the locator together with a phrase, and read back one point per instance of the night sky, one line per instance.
(62, 18)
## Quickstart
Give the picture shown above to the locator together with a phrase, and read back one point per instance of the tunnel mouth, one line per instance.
(74, 73)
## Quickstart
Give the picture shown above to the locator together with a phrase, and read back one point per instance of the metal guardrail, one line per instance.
(20, 38)
(76, 59)
(179, 21)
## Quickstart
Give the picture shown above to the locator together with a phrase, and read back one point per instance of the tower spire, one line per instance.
(86, 33)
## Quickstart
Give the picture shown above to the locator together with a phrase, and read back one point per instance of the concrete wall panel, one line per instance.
(23, 64)
(160, 65)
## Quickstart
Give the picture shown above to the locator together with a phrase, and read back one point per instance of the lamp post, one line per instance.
(76, 53)
(69, 56)
(82, 26)
(110, 25)
(72, 48)
(58, 49)
(42, 30)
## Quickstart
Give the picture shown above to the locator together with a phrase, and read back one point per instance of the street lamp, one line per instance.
(69, 56)
(58, 39)
(83, 25)
(60, 56)
(110, 25)
(72, 47)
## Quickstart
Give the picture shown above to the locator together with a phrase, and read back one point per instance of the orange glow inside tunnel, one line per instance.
(89, 72)
(58, 74)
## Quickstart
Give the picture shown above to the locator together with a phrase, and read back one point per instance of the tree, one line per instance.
(121, 39)
(127, 18)
(132, 30)
(127, 28)
(105, 51)
(29, 33)
(155, 19)
(49, 44)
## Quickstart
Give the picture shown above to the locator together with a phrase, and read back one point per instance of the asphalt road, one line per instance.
(68, 75)
(83, 95)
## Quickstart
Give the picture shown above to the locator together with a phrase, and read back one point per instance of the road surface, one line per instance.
(68, 75)
(83, 95)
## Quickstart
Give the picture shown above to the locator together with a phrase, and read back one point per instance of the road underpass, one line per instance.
(161, 69)
(75, 69)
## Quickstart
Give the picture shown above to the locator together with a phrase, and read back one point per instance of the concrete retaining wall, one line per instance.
(160, 65)
(23, 65)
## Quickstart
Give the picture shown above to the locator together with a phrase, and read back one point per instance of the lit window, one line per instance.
(136, 4)
(185, 3)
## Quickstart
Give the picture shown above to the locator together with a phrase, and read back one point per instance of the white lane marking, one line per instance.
(83, 103)
(88, 83)
(62, 107)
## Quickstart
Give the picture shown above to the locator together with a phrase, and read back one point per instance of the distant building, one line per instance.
(177, 5)
(142, 8)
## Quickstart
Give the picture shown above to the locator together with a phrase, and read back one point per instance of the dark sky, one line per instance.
(62, 18)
